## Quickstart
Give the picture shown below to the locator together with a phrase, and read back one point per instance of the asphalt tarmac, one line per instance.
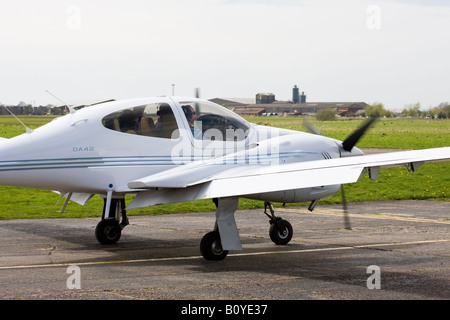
(394, 251)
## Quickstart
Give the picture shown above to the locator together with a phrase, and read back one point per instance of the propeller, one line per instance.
(351, 141)
(347, 223)
(347, 145)
(308, 125)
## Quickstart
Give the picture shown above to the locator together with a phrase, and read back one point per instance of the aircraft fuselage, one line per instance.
(90, 151)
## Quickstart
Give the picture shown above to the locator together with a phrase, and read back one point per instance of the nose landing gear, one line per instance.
(280, 231)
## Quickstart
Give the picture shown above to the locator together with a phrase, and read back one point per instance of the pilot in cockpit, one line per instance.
(191, 117)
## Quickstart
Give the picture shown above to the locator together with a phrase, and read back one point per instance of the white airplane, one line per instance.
(176, 149)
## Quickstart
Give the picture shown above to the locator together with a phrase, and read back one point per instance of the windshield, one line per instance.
(210, 121)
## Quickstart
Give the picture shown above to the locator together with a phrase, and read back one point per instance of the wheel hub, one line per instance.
(216, 248)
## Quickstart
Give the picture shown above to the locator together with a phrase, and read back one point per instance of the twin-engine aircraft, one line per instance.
(176, 149)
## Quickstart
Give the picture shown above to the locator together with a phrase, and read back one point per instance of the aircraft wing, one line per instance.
(214, 179)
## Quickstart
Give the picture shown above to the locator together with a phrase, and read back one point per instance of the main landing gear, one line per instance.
(215, 245)
(109, 229)
(211, 247)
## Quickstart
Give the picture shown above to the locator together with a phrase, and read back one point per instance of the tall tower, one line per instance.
(295, 95)
(303, 98)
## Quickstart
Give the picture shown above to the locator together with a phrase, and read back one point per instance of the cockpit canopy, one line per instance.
(206, 120)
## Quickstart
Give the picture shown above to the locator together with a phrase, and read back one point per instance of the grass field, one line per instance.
(396, 133)
(432, 181)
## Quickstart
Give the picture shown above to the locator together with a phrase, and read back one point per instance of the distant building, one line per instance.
(303, 98)
(343, 109)
(265, 98)
(245, 111)
(288, 108)
(267, 104)
(296, 97)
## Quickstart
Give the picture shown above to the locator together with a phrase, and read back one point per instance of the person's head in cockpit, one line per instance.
(191, 117)
(190, 114)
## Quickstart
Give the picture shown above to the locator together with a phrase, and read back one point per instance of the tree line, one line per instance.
(442, 111)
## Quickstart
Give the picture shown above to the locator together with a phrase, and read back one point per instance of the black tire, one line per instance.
(281, 232)
(108, 231)
(211, 247)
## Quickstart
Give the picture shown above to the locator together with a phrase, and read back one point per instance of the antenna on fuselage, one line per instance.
(71, 110)
(26, 128)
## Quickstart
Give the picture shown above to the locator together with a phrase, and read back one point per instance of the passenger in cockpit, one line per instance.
(128, 122)
(166, 124)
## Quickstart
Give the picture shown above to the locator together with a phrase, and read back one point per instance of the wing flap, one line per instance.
(180, 177)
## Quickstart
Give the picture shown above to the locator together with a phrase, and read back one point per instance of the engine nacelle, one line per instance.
(297, 195)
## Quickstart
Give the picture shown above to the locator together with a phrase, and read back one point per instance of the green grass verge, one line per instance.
(432, 181)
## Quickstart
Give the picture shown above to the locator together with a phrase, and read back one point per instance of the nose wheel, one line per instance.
(280, 231)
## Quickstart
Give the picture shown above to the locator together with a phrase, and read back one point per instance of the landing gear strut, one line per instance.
(216, 244)
(109, 229)
(280, 230)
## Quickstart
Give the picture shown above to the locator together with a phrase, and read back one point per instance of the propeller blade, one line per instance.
(351, 141)
(308, 125)
(344, 207)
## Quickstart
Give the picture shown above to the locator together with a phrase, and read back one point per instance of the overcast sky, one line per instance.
(390, 51)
